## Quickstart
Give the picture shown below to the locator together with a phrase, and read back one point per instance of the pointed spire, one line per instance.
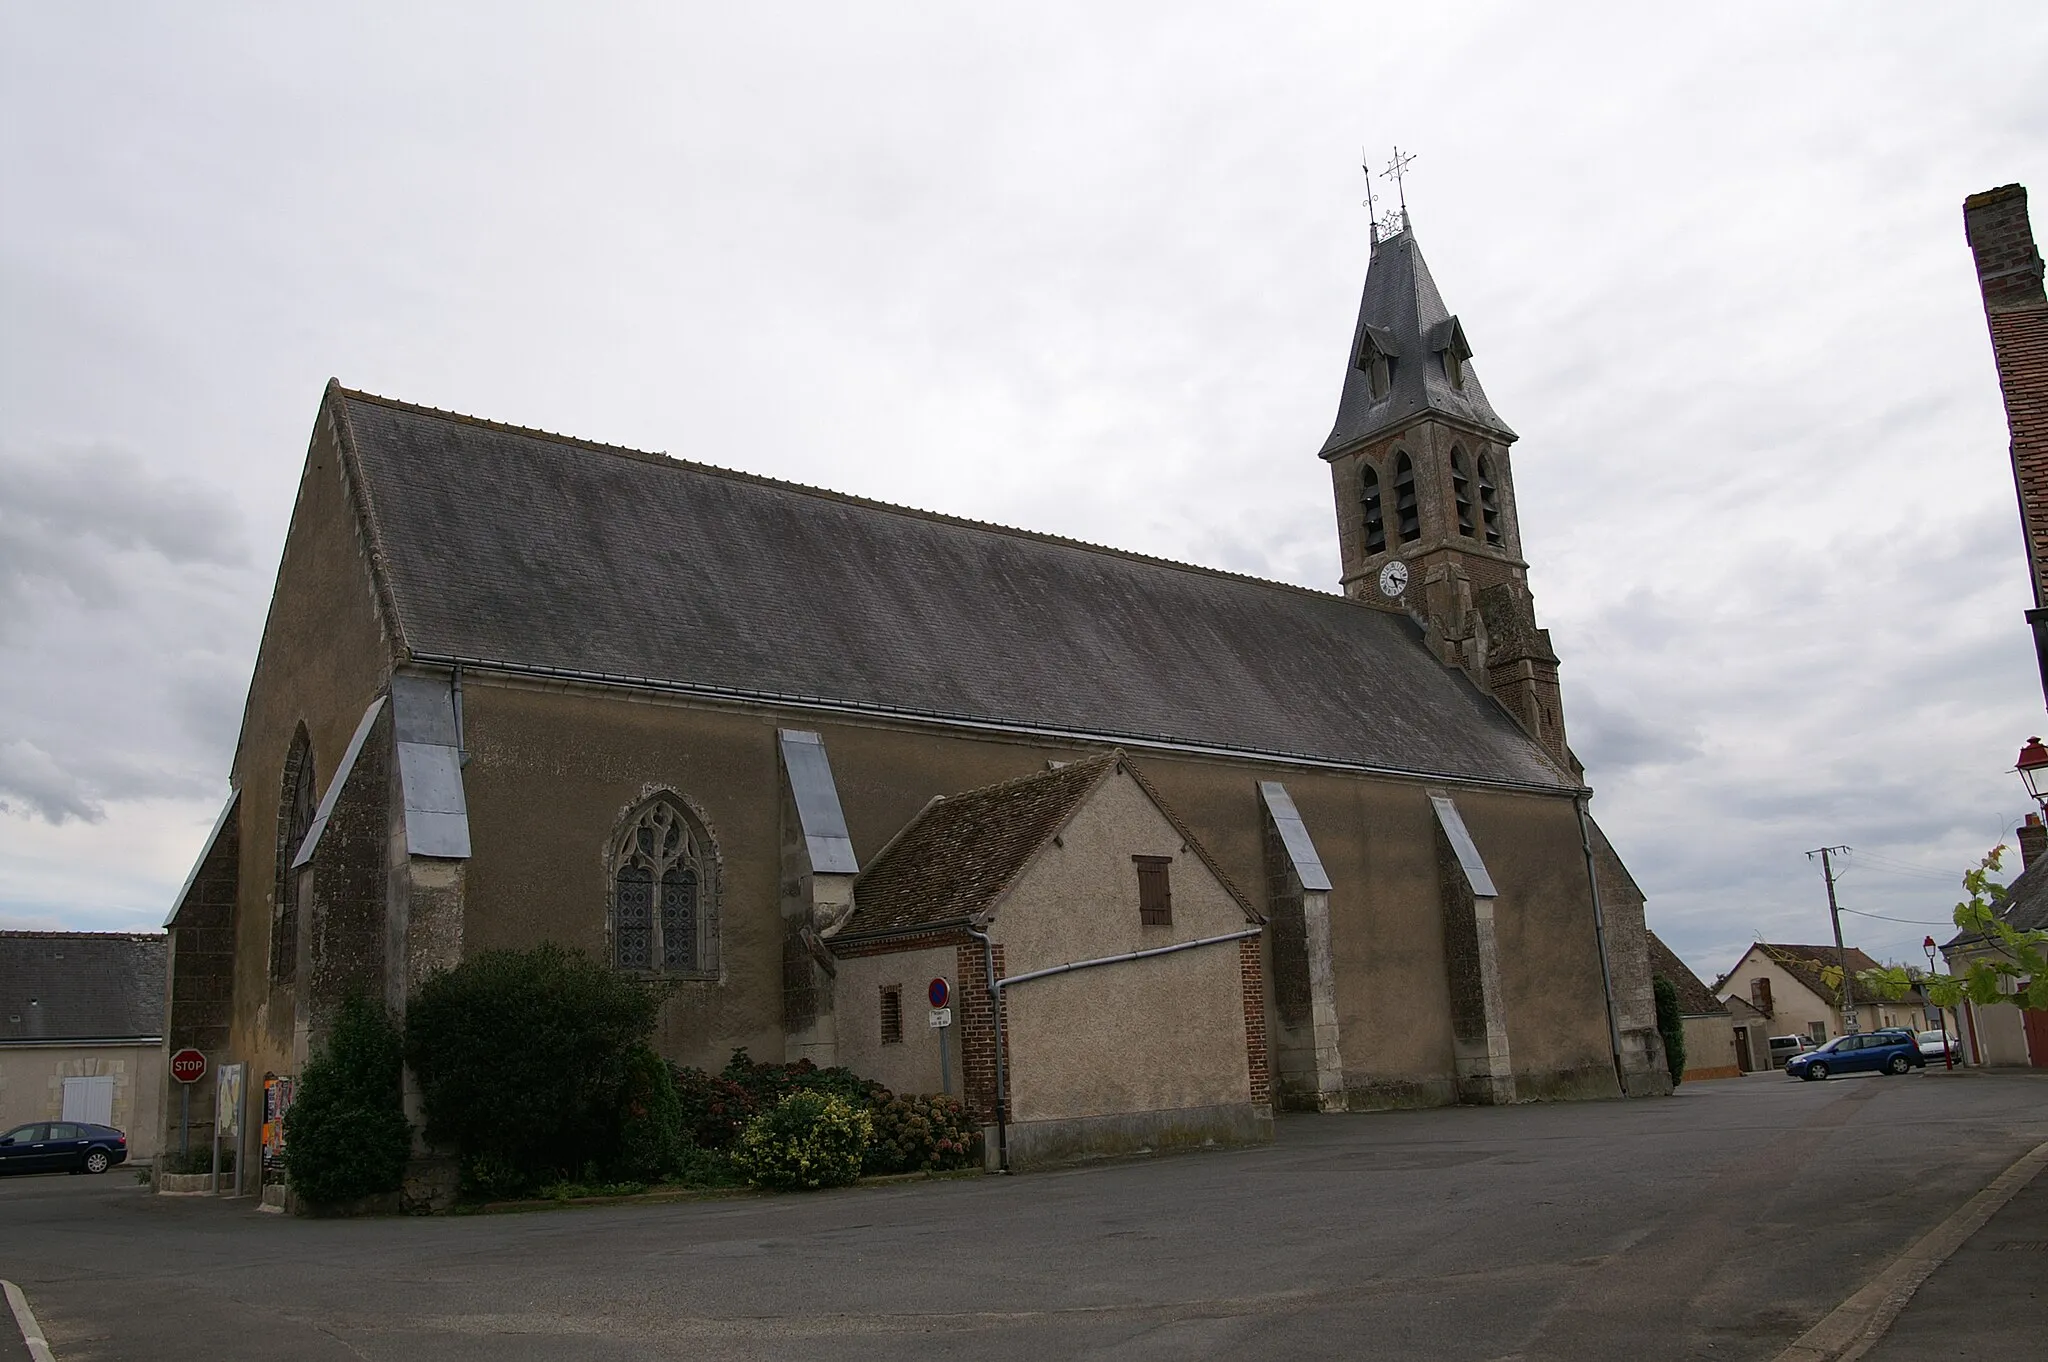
(1409, 356)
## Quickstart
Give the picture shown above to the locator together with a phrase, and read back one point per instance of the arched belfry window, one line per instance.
(1407, 516)
(1489, 501)
(295, 805)
(664, 892)
(1369, 501)
(1461, 491)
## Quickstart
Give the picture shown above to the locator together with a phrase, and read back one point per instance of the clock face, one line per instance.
(1394, 578)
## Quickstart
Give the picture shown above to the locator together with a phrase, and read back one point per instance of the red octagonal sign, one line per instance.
(188, 1066)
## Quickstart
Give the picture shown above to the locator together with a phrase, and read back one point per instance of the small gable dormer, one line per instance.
(1447, 338)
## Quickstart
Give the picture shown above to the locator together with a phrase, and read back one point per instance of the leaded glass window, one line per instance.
(658, 911)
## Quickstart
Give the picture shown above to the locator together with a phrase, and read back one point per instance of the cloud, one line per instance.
(32, 784)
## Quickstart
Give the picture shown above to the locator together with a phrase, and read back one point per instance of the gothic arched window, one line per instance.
(664, 881)
(295, 807)
(1369, 499)
(1461, 491)
(1489, 501)
(1407, 517)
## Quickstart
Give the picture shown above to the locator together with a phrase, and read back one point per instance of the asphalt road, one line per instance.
(1717, 1224)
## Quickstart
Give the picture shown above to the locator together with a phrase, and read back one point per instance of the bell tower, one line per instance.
(1426, 493)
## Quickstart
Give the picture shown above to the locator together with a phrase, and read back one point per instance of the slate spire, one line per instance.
(1409, 356)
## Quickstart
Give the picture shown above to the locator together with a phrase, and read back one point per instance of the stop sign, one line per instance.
(188, 1066)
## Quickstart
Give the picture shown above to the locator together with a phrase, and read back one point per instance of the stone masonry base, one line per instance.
(1045, 1144)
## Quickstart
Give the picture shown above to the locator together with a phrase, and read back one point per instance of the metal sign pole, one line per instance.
(185, 1122)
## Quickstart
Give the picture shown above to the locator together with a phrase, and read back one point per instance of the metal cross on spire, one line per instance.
(1371, 213)
(1393, 172)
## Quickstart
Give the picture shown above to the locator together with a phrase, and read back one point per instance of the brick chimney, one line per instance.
(2009, 276)
(2033, 840)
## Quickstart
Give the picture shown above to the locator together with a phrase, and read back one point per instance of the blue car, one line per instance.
(1880, 1052)
(62, 1147)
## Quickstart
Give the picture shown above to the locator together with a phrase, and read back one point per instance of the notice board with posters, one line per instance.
(277, 1100)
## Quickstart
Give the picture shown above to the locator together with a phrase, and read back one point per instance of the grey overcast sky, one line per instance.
(1087, 268)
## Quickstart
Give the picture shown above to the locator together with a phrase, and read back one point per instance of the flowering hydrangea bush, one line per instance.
(928, 1133)
(806, 1141)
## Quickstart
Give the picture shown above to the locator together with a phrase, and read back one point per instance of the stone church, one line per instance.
(804, 756)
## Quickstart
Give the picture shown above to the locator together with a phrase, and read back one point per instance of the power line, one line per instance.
(1909, 921)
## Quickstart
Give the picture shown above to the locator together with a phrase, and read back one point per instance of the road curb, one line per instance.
(1855, 1326)
(31, 1332)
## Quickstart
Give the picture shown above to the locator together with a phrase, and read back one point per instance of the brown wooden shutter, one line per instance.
(892, 1015)
(1155, 892)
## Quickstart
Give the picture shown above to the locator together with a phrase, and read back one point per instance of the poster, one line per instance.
(277, 1100)
(227, 1101)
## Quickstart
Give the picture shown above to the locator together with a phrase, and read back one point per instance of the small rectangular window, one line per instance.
(892, 1014)
(1820, 1032)
(1155, 893)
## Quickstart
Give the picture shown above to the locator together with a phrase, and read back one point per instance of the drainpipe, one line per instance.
(1600, 938)
(995, 999)
(461, 747)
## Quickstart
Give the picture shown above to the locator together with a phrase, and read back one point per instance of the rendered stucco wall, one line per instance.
(911, 1066)
(1159, 1034)
(32, 1087)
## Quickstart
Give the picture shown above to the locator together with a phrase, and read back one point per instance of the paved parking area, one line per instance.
(1717, 1224)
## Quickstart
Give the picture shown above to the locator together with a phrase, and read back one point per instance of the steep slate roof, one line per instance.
(1695, 999)
(523, 549)
(1403, 312)
(1804, 963)
(82, 985)
(953, 861)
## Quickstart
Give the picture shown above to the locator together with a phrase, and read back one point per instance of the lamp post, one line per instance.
(1948, 1057)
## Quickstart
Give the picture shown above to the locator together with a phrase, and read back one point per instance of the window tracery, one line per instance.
(663, 870)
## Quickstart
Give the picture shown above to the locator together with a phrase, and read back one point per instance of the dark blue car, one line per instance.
(1880, 1052)
(62, 1147)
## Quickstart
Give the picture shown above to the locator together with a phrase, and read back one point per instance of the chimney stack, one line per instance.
(2033, 840)
(2009, 277)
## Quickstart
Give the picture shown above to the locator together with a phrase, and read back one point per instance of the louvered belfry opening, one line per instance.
(1461, 492)
(1375, 520)
(1489, 501)
(1407, 516)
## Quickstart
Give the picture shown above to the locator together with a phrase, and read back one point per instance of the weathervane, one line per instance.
(1393, 223)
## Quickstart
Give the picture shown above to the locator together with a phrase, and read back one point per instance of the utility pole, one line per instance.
(1827, 872)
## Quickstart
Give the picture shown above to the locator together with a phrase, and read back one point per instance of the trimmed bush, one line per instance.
(929, 1133)
(808, 1140)
(650, 1119)
(717, 1107)
(346, 1136)
(523, 1059)
(1671, 1025)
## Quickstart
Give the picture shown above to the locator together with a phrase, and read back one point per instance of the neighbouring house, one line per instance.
(1784, 984)
(1710, 1048)
(82, 1031)
(1752, 1035)
(2005, 1033)
(1097, 915)
(517, 688)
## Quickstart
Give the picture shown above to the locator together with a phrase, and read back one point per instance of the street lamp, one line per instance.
(2033, 769)
(1940, 1019)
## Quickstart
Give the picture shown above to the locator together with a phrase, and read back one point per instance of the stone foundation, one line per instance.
(1046, 1144)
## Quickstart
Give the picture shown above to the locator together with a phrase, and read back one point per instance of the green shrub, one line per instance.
(713, 1108)
(650, 1118)
(716, 1107)
(1671, 1025)
(346, 1135)
(929, 1133)
(522, 1058)
(199, 1160)
(808, 1140)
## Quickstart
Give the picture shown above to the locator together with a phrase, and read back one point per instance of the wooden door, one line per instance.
(2037, 1036)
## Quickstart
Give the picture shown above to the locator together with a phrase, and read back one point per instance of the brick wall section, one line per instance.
(1252, 978)
(2009, 277)
(974, 1014)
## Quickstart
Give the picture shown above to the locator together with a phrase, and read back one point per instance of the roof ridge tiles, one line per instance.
(659, 458)
(22, 933)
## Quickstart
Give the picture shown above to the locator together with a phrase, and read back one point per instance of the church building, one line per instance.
(805, 757)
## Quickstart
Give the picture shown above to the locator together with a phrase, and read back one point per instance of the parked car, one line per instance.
(1784, 1047)
(1937, 1045)
(62, 1147)
(1882, 1052)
